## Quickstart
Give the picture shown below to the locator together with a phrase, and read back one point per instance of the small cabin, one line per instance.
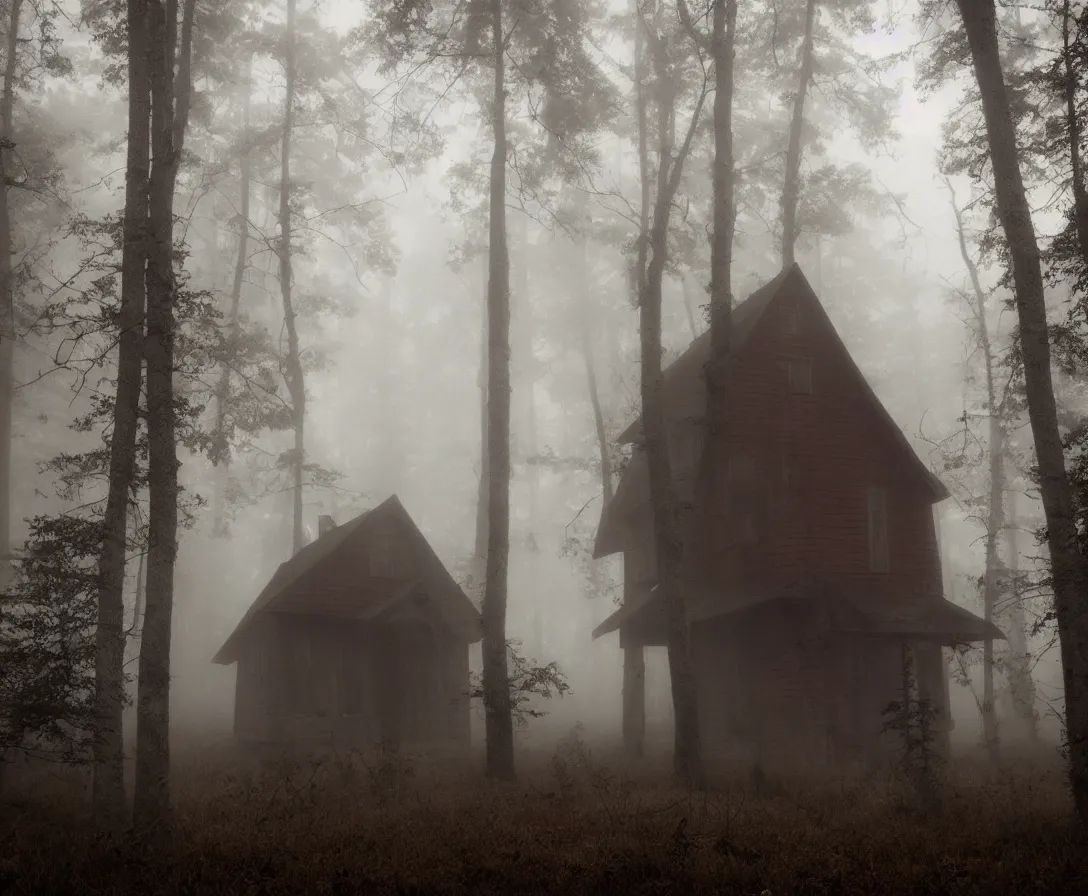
(360, 639)
(825, 591)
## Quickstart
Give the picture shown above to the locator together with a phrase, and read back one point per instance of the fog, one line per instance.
(394, 407)
(389, 260)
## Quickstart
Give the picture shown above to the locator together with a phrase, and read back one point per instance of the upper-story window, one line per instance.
(791, 479)
(799, 373)
(383, 560)
(878, 529)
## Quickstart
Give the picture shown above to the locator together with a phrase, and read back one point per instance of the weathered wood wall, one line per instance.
(313, 681)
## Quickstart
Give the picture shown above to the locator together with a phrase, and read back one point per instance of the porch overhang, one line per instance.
(938, 621)
(935, 620)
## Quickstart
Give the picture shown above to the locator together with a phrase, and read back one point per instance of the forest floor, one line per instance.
(575, 823)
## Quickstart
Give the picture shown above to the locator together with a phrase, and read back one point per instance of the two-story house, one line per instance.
(828, 582)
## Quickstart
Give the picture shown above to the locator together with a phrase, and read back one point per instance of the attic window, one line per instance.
(799, 372)
(791, 321)
(383, 563)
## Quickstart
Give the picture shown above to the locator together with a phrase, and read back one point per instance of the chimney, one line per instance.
(325, 523)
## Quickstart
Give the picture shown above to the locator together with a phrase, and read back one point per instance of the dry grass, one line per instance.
(571, 826)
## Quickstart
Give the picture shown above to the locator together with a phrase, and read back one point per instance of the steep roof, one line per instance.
(684, 377)
(333, 551)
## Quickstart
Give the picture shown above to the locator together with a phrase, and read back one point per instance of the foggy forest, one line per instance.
(543, 446)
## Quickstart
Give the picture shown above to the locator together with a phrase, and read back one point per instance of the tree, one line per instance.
(980, 24)
(791, 186)
(687, 755)
(293, 374)
(500, 729)
(170, 98)
(109, 788)
(7, 292)
(559, 86)
(993, 577)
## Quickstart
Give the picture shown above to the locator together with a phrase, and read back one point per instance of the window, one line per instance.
(799, 372)
(383, 564)
(791, 320)
(791, 479)
(878, 529)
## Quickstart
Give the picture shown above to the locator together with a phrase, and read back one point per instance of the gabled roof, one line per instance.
(290, 581)
(684, 387)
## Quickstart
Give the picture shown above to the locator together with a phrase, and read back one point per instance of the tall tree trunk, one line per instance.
(645, 184)
(791, 188)
(7, 304)
(222, 391)
(993, 577)
(293, 375)
(524, 431)
(169, 118)
(1073, 135)
(712, 499)
(109, 785)
(499, 721)
(1021, 683)
(7, 297)
(479, 553)
(1014, 212)
(634, 655)
(669, 545)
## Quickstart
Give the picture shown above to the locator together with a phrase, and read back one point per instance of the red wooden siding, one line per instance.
(808, 462)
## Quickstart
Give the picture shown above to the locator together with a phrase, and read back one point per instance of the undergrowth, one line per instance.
(575, 823)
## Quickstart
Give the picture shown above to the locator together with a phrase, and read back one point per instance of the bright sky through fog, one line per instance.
(909, 169)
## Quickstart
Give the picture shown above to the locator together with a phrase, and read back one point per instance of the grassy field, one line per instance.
(575, 823)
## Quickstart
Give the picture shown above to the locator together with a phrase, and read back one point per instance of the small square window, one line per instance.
(799, 372)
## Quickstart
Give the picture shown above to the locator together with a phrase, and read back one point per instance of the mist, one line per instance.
(395, 275)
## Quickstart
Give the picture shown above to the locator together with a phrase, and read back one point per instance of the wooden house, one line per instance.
(827, 573)
(361, 638)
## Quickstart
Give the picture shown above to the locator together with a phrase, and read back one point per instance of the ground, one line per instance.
(579, 821)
